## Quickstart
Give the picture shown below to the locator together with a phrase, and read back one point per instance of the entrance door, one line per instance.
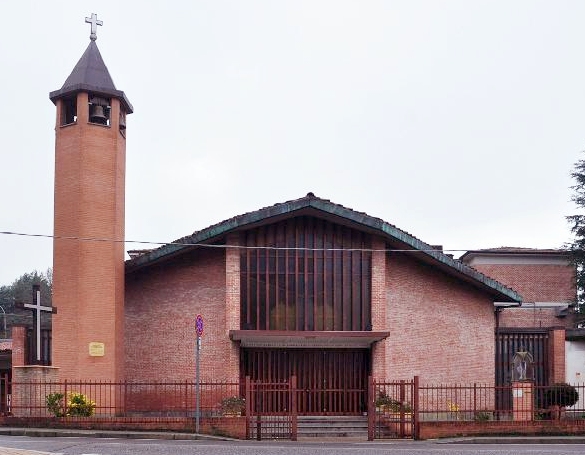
(332, 381)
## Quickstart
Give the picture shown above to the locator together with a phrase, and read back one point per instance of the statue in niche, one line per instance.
(522, 366)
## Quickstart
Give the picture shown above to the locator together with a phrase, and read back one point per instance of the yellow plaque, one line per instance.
(96, 349)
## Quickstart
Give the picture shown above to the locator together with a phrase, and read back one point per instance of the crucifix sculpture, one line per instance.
(93, 20)
(37, 308)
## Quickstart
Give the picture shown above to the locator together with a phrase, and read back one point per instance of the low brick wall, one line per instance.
(234, 427)
(432, 430)
(30, 386)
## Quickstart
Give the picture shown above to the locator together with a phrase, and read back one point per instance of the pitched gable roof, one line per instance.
(313, 205)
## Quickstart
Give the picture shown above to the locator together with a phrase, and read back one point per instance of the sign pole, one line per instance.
(197, 385)
(199, 330)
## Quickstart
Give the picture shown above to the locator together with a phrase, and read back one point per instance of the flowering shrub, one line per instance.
(453, 407)
(454, 410)
(77, 405)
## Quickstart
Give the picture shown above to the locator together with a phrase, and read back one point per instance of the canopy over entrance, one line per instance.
(306, 339)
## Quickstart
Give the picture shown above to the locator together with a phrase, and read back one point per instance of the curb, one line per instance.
(64, 433)
(498, 440)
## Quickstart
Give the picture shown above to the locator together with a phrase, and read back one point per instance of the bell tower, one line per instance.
(88, 247)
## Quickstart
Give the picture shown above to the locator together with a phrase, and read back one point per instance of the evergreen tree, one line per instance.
(577, 246)
(21, 289)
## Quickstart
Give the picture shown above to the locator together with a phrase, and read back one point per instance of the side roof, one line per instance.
(512, 251)
(323, 208)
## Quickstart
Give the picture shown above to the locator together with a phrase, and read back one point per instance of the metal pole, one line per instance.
(38, 316)
(197, 385)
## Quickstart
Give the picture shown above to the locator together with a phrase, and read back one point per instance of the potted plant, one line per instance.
(233, 406)
(396, 415)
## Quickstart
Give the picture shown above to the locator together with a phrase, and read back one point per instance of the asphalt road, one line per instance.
(91, 446)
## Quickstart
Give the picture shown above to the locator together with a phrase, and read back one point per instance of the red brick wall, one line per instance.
(18, 345)
(30, 401)
(379, 307)
(161, 305)
(557, 348)
(231, 357)
(432, 430)
(532, 317)
(234, 427)
(441, 329)
(535, 282)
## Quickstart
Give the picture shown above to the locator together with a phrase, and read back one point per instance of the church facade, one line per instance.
(311, 288)
(305, 287)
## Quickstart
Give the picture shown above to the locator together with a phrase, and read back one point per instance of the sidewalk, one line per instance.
(56, 432)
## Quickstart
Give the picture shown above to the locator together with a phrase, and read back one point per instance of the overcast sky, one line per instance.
(457, 121)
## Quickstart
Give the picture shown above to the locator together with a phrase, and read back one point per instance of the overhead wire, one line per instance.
(207, 245)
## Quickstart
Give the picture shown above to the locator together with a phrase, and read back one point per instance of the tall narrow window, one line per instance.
(69, 110)
(305, 274)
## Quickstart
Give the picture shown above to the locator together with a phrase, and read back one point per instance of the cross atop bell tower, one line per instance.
(90, 168)
(93, 20)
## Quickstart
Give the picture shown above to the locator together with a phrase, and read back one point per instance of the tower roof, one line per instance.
(91, 74)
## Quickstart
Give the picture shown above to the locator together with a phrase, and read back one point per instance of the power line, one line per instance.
(206, 245)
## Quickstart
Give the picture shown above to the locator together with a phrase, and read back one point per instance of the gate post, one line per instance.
(371, 409)
(402, 415)
(293, 406)
(416, 408)
(248, 406)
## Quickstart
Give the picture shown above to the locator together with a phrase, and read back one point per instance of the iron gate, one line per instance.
(393, 409)
(329, 382)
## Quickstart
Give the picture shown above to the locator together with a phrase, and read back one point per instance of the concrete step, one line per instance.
(332, 426)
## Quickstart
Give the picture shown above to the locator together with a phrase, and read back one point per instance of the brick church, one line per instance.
(305, 287)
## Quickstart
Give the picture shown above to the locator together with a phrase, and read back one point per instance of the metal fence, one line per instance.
(477, 402)
(395, 409)
(120, 399)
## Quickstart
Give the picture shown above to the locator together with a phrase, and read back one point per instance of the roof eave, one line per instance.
(107, 92)
(498, 290)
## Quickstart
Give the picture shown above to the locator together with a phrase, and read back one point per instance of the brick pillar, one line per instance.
(18, 346)
(30, 386)
(232, 305)
(379, 304)
(557, 355)
(522, 401)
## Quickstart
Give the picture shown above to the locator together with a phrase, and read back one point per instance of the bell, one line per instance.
(122, 122)
(97, 115)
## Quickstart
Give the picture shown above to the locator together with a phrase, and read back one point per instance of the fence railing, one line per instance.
(395, 409)
(482, 402)
(122, 399)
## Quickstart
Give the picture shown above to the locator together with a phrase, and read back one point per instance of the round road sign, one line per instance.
(199, 325)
